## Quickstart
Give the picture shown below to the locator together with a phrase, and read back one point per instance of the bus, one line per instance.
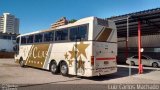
(87, 47)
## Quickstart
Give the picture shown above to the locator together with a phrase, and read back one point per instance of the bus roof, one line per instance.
(78, 22)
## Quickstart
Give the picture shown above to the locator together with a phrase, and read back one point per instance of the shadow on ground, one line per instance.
(122, 72)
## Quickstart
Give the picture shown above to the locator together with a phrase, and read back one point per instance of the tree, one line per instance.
(72, 20)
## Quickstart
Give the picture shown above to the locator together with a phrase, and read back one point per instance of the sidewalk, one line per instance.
(154, 75)
(149, 73)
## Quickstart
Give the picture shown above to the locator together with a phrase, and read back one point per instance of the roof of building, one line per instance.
(150, 22)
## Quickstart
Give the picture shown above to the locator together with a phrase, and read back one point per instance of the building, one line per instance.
(9, 23)
(8, 41)
(130, 25)
(61, 22)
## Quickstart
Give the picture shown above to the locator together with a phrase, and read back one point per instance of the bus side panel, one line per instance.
(72, 52)
(23, 52)
(37, 55)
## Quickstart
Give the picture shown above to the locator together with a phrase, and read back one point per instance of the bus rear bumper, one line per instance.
(104, 71)
(100, 71)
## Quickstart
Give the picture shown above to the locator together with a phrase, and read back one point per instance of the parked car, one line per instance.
(146, 61)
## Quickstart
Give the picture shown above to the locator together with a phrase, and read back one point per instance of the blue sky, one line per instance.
(39, 14)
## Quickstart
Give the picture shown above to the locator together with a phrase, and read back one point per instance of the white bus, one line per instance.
(87, 47)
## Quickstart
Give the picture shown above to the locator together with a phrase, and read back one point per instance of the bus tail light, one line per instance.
(92, 60)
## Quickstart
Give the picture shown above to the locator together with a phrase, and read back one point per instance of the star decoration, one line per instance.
(70, 62)
(81, 64)
(73, 53)
(66, 55)
(81, 48)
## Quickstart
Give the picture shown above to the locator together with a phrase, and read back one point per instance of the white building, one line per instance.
(9, 24)
(7, 42)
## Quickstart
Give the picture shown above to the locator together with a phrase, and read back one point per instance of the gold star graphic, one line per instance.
(73, 53)
(81, 48)
(80, 63)
(70, 62)
(66, 55)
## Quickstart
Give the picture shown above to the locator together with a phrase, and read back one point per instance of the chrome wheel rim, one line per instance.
(53, 68)
(21, 63)
(63, 69)
(155, 65)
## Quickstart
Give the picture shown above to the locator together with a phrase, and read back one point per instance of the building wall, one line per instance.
(147, 41)
(7, 44)
(150, 44)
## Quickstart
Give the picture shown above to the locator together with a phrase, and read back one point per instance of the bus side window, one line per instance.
(82, 32)
(79, 33)
(23, 40)
(61, 35)
(30, 39)
(38, 38)
(73, 33)
(49, 36)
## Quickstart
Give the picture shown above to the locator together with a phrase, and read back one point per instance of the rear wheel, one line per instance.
(64, 69)
(53, 67)
(155, 65)
(21, 62)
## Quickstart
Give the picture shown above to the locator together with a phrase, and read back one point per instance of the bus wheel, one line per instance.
(64, 69)
(21, 62)
(54, 67)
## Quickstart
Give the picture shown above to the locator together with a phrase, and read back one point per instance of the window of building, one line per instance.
(23, 40)
(13, 37)
(48, 36)
(30, 39)
(61, 35)
(38, 38)
(78, 33)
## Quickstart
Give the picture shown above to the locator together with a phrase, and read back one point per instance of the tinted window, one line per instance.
(82, 32)
(135, 57)
(30, 39)
(38, 38)
(79, 33)
(48, 36)
(143, 57)
(61, 35)
(13, 37)
(23, 40)
(73, 33)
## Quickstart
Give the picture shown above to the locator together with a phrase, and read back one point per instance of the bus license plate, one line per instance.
(106, 62)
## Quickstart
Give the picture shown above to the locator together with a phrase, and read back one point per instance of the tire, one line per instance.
(64, 68)
(132, 63)
(155, 65)
(21, 62)
(54, 67)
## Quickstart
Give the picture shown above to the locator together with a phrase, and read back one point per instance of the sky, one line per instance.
(40, 14)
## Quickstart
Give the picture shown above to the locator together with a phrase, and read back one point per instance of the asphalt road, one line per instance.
(15, 77)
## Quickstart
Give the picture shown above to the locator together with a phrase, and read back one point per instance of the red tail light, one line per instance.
(92, 60)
